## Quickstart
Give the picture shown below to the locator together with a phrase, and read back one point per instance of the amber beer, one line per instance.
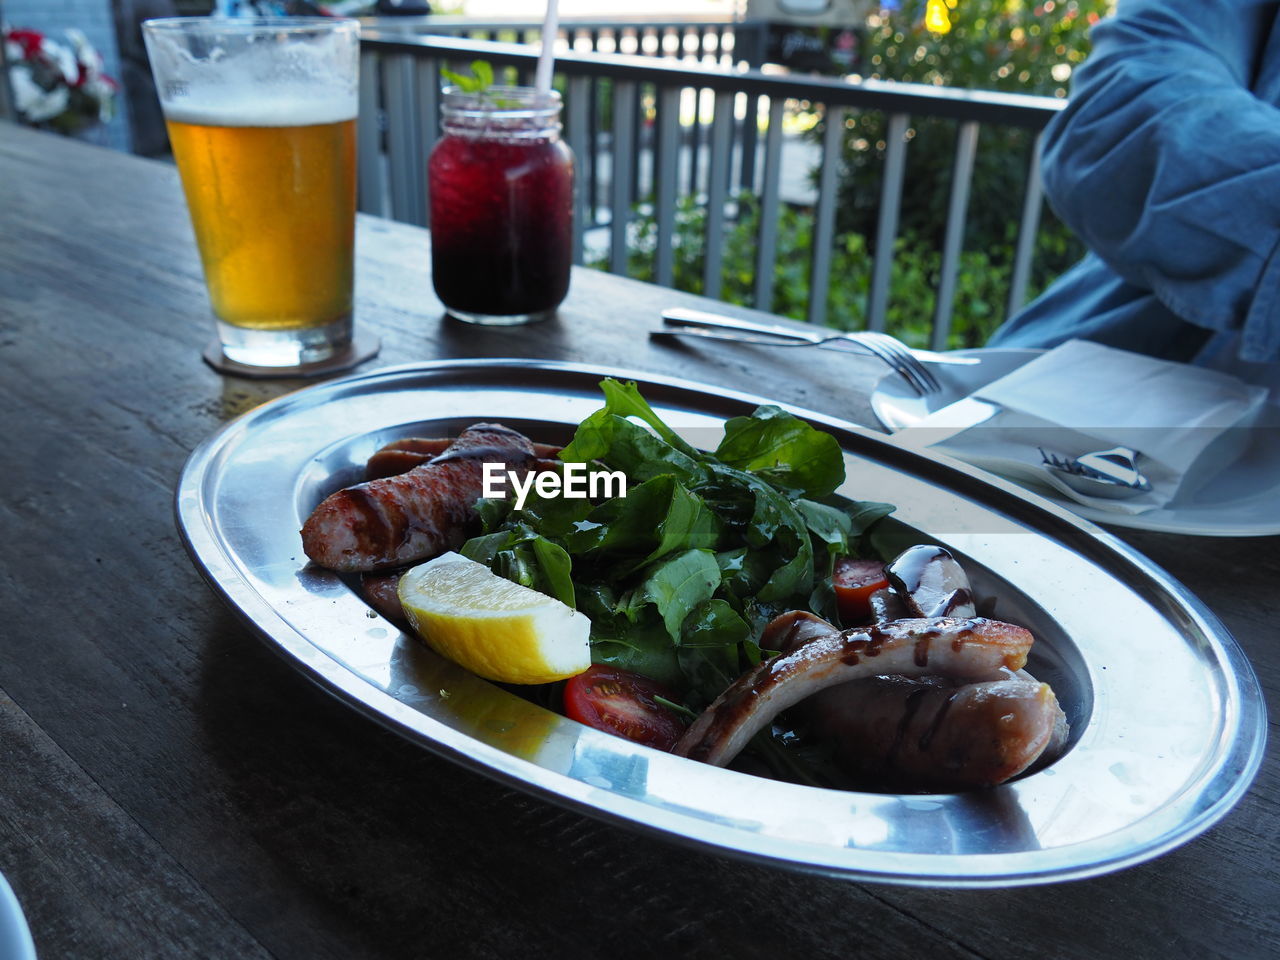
(273, 207)
(261, 116)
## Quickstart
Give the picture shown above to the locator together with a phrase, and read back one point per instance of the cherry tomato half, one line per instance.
(622, 703)
(855, 581)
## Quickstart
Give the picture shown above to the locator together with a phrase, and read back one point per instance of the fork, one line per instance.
(1110, 473)
(903, 361)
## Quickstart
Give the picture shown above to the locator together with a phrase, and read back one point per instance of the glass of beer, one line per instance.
(261, 116)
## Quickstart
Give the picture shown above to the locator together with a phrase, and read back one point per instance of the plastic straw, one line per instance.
(546, 58)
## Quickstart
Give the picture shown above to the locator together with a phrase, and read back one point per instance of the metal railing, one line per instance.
(705, 39)
(399, 124)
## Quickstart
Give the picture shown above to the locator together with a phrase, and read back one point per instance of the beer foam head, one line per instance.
(233, 81)
(282, 108)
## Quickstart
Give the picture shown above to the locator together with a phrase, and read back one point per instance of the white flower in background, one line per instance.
(89, 60)
(63, 59)
(34, 102)
(100, 90)
(58, 86)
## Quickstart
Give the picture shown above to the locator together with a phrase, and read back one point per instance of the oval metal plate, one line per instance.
(1169, 720)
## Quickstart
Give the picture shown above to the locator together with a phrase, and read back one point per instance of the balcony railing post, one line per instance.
(824, 218)
(895, 163)
(637, 137)
(427, 82)
(593, 154)
(767, 249)
(620, 174)
(578, 90)
(667, 165)
(1029, 225)
(748, 48)
(717, 193)
(695, 142)
(369, 176)
(404, 142)
(966, 150)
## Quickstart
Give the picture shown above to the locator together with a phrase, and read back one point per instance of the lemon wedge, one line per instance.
(497, 629)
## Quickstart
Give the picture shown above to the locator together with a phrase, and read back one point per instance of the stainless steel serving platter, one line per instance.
(1168, 721)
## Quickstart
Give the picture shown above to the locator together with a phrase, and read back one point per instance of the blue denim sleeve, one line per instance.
(1167, 164)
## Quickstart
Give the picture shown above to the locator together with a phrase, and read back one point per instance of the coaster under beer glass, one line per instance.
(261, 117)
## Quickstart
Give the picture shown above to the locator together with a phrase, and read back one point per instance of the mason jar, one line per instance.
(500, 182)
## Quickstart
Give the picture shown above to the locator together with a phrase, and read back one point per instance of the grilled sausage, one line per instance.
(928, 734)
(970, 648)
(415, 515)
(401, 456)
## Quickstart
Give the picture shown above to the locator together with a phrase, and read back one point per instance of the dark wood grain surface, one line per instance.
(169, 788)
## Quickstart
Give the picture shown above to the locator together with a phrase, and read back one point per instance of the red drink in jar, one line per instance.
(501, 188)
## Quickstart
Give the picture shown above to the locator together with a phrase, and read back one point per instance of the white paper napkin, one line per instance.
(1082, 397)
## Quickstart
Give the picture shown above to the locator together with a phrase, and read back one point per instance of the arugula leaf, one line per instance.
(654, 519)
(657, 661)
(830, 525)
(831, 529)
(515, 564)
(678, 585)
(625, 400)
(644, 648)
(707, 672)
(598, 601)
(863, 514)
(621, 400)
(822, 600)
(592, 440)
(776, 535)
(525, 557)
(714, 624)
(784, 450)
(483, 549)
(554, 517)
(745, 571)
(493, 512)
(792, 578)
(624, 445)
(556, 570)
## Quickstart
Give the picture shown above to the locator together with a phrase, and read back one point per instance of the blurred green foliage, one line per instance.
(982, 281)
(1006, 45)
(1015, 47)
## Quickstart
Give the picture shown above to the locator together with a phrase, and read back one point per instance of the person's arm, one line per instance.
(1168, 167)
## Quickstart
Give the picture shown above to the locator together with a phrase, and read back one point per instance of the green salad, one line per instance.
(680, 575)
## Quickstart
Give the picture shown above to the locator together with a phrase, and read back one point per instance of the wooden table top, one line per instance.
(170, 788)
